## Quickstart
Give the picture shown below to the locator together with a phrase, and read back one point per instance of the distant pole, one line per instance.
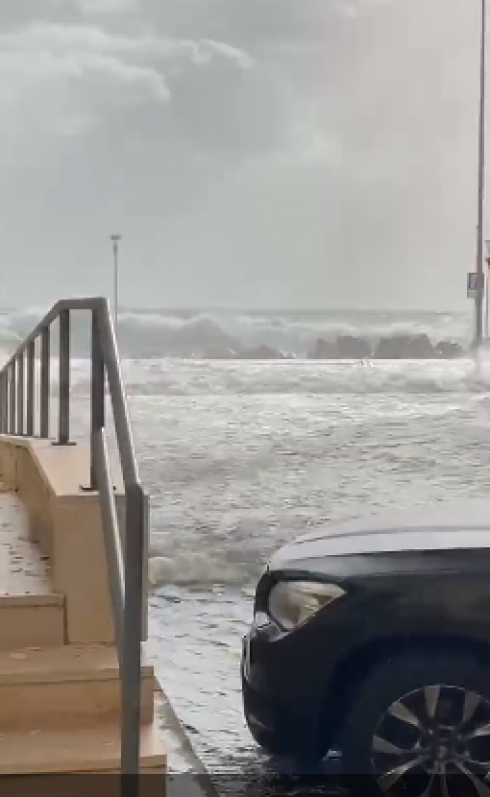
(481, 181)
(487, 297)
(115, 252)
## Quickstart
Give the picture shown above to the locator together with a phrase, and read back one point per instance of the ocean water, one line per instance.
(240, 457)
(162, 333)
(262, 453)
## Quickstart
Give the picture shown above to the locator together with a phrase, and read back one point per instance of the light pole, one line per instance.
(487, 296)
(115, 252)
(481, 182)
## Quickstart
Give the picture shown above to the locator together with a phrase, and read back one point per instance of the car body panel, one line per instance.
(463, 525)
(423, 575)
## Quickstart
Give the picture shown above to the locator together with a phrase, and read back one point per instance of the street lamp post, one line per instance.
(487, 295)
(481, 181)
(115, 252)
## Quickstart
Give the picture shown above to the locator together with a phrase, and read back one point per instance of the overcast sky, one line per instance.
(253, 153)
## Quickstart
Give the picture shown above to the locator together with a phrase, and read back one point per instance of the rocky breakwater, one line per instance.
(397, 347)
(350, 347)
(345, 347)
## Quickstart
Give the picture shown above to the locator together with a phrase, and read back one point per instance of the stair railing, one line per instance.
(127, 562)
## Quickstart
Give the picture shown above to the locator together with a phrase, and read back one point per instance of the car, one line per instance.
(374, 636)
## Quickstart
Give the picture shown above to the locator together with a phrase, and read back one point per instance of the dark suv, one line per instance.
(375, 637)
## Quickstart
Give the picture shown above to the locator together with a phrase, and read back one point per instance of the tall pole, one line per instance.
(487, 286)
(487, 298)
(115, 253)
(481, 181)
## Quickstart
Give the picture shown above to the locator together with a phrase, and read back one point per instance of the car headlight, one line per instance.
(292, 603)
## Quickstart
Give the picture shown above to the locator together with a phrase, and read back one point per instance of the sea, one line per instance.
(239, 457)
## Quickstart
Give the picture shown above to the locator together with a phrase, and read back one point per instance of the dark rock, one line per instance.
(405, 347)
(346, 347)
(351, 348)
(261, 353)
(323, 350)
(447, 350)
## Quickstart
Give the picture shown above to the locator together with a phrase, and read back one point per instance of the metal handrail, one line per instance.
(125, 563)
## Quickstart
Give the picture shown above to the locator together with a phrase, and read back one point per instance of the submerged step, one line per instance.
(65, 687)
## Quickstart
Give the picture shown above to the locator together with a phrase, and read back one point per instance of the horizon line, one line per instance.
(251, 310)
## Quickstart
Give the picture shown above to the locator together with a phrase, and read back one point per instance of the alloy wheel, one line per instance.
(434, 741)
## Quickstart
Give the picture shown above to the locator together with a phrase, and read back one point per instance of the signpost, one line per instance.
(477, 294)
(475, 285)
(115, 252)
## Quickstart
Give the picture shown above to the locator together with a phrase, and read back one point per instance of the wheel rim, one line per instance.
(434, 741)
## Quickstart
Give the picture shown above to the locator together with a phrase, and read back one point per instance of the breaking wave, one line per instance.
(185, 333)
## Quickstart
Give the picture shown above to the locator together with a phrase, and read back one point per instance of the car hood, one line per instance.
(447, 526)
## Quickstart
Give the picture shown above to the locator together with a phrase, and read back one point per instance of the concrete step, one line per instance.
(61, 785)
(81, 751)
(31, 613)
(31, 620)
(65, 687)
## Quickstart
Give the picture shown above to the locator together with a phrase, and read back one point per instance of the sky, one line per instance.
(252, 153)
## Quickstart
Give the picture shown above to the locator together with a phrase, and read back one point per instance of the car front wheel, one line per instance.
(420, 725)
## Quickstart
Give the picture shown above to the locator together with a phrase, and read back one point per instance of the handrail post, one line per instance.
(129, 576)
(20, 394)
(45, 382)
(12, 397)
(133, 621)
(64, 379)
(31, 355)
(6, 393)
(97, 396)
(3, 402)
(118, 397)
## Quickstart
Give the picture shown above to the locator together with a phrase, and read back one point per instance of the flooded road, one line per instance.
(245, 457)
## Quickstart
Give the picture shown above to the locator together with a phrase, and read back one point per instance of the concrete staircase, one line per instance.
(59, 674)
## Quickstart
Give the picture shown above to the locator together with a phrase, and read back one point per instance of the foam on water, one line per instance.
(287, 415)
(187, 332)
(241, 457)
(169, 377)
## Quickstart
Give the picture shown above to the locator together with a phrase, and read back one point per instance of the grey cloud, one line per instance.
(229, 113)
(43, 54)
(311, 148)
(254, 23)
(216, 107)
(73, 38)
(94, 7)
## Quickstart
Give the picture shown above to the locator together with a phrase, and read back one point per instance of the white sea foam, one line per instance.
(160, 333)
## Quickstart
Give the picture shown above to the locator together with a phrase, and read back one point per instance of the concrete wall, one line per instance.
(65, 521)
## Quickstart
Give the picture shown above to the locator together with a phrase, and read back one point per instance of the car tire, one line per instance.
(411, 684)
